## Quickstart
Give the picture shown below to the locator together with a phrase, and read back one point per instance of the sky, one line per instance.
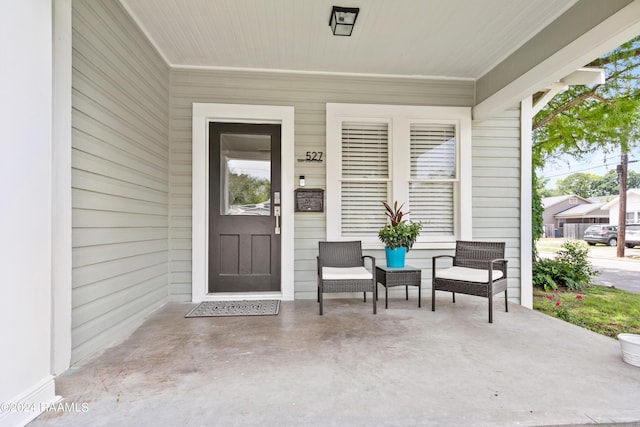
(597, 163)
(254, 168)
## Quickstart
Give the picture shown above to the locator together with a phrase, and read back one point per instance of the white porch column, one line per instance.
(26, 172)
(526, 241)
(61, 200)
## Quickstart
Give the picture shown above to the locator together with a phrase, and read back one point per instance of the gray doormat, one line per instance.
(235, 308)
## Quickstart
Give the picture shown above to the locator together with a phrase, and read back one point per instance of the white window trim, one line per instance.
(400, 118)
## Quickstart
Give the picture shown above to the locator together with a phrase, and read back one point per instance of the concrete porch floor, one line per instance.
(402, 367)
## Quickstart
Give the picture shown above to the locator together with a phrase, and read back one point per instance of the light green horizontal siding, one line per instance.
(308, 94)
(120, 179)
(496, 187)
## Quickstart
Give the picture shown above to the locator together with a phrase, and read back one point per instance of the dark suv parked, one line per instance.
(602, 233)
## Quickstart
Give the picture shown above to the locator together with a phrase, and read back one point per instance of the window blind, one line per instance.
(365, 177)
(365, 150)
(432, 203)
(433, 170)
(433, 151)
(362, 210)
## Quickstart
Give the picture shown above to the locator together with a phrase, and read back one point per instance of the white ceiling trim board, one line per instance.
(320, 73)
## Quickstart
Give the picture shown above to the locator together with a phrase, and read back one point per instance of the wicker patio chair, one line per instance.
(479, 269)
(341, 268)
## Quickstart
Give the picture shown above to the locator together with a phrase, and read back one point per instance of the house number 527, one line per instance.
(314, 156)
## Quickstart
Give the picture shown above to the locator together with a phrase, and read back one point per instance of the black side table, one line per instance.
(399, 276)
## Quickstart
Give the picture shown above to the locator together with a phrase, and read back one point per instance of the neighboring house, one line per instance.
(574, 221)
(120, 136)
(571, 209)
(558, 204)
(584, 214)
(633, 208)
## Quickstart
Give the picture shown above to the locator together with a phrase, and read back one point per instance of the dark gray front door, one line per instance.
(244, 207)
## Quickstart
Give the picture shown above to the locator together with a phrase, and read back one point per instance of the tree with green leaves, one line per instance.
(590, 185)
(245, 189)
(584, 119)
(579, 183)
(604, 116)
(610, 184)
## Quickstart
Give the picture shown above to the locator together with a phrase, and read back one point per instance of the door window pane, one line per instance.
(245, 174)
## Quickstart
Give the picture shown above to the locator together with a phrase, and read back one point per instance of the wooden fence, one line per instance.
(567, 231)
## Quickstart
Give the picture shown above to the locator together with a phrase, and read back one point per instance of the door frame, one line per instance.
(203, 114)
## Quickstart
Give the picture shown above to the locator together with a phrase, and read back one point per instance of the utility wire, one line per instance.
(579, 170)
(586, 169)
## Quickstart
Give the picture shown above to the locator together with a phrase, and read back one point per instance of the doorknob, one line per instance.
(276, 213)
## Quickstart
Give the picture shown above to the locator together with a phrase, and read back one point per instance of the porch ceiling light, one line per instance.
(342, 20)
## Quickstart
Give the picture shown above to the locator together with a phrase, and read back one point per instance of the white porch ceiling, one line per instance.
(440, 38)
(509, 48)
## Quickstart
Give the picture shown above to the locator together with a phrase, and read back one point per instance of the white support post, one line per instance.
(526, 240)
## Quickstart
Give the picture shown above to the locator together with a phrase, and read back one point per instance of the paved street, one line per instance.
(621, 273)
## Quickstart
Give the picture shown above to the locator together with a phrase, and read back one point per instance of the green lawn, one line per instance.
(607, 311)
(549, 244)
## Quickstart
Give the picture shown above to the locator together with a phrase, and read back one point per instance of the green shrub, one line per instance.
(544, 273)
(570, 268)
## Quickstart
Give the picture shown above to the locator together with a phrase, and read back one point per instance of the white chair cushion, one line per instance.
(467, 274)
(345, 273)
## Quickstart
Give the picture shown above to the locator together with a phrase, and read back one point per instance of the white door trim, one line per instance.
(240, 113)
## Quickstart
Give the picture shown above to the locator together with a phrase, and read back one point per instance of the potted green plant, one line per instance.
(398, 235)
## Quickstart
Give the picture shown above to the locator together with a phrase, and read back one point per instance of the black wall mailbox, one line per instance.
(309, 200)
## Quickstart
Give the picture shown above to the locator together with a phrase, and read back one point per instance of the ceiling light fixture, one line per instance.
(342, 20)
